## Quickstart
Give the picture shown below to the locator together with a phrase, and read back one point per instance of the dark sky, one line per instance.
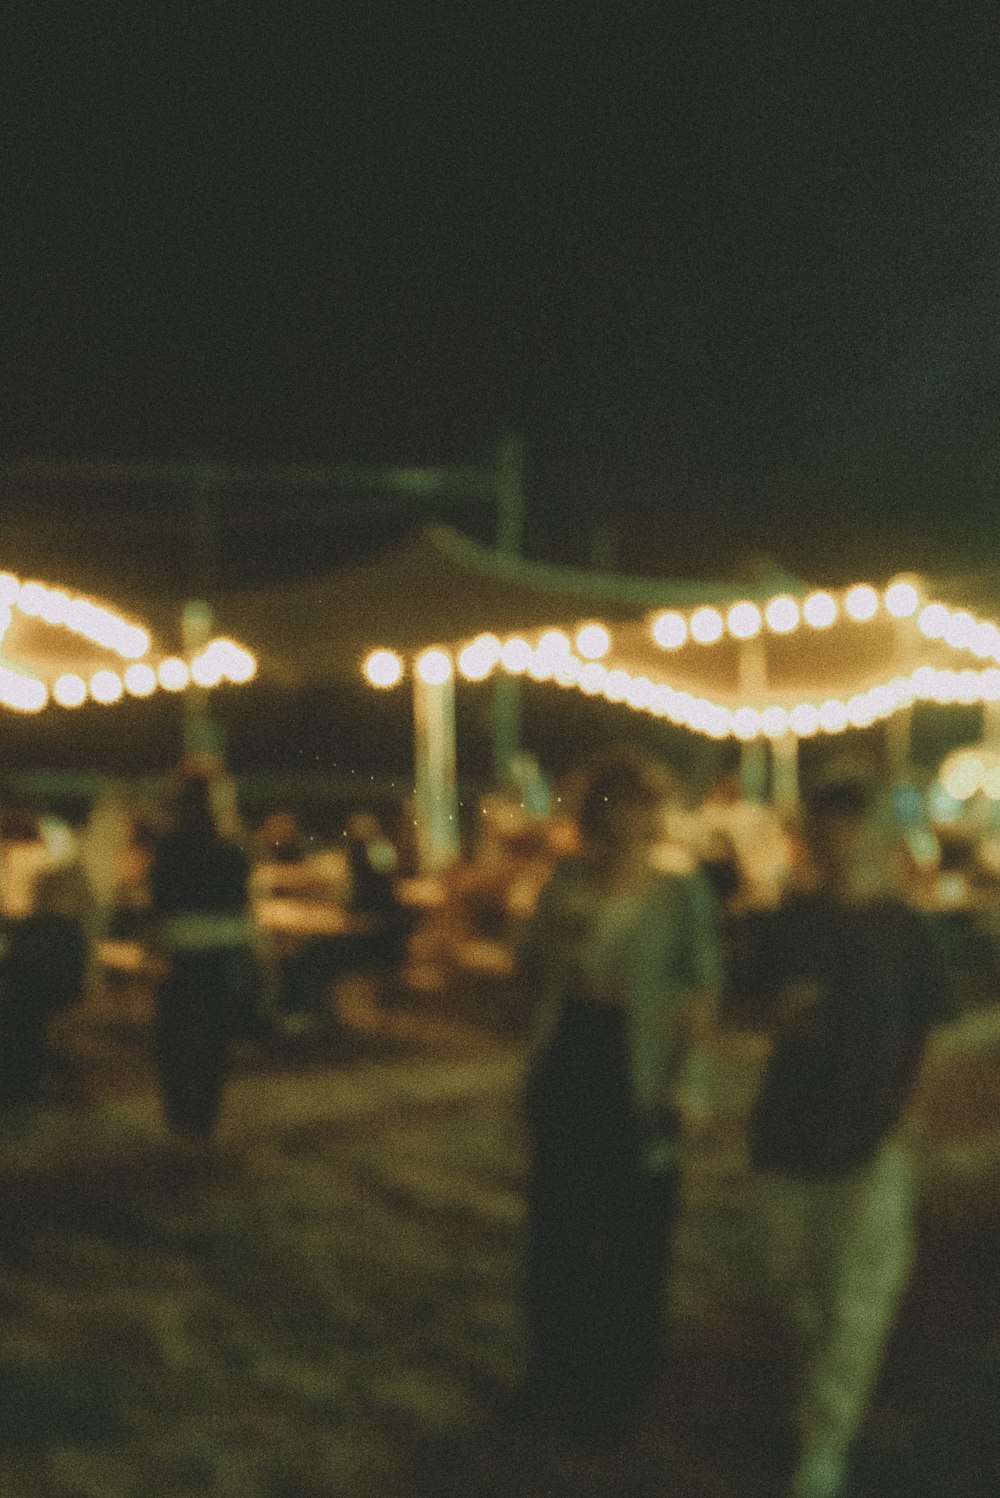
(731, 268)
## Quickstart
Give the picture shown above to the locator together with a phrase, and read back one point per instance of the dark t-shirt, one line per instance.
(870, 986)
(209, 876)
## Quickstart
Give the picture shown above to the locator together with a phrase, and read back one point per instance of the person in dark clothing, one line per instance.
(43, 973)
(199, 886)
(622, 963)
(854, 986)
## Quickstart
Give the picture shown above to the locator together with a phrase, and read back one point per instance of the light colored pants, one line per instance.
(836, 1259)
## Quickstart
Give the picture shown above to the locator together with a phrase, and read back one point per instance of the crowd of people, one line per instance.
(646, 927)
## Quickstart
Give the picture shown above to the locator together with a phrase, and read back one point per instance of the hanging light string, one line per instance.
(580, 662)
(23, 689)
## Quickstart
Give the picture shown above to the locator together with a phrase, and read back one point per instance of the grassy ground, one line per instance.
(328, 1305)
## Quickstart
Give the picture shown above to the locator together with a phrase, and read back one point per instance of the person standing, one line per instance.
(851, 978)
(199, 886)
(622, 964)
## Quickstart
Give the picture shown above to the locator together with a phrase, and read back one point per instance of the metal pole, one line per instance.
(510, 536)
(753, 752)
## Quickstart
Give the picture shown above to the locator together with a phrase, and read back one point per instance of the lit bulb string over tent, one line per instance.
(60, 648)
(819, 662)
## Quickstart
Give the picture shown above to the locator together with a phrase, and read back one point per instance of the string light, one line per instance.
(140, 680)
(706, 626)
(434, 667)
(901, 600)
(670, 630)
(516, 655)
(782, 614)
(861, 603)
(69, 690)
(743, 621)
(106, 687)
(479, 658)
(820, 610)
(593, 641)
(174, 674)
(24, 693)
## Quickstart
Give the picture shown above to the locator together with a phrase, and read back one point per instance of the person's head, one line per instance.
(836, 822)
(620, 800)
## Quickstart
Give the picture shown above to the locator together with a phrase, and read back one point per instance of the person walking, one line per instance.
(199, 886)
(622, 963)
(853, 983)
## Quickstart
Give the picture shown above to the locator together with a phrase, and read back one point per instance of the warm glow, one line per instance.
(592, 678)
(106, 687)
(861, 603)
(174, 674)
(552, 649)
(140, 680)
(833, 715)
(670, 630)
(743, 621)
(746, 723)
(24, 693)
(383, 668)
(10, 588)
(782, 614)
(706, 626)
(774, 722)
(69, 690)
(516, 655)
(901, 600)
(963, 776)
(960, 630)
(616, 685)
(478, 659)
(640, 693)
(933, 620)
(206, 669)
(804, 720)
(593, 641)
(820, 610)
(567, 672)
(434, 667)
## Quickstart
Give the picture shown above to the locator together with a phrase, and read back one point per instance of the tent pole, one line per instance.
(510, 528)
(753, 752)
(434, 755)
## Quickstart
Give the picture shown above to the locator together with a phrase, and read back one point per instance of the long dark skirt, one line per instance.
(196, 1021)
(599, 1224)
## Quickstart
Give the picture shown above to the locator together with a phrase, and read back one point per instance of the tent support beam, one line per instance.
(436, 807)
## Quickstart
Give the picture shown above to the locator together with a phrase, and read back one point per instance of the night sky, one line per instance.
(729, 267)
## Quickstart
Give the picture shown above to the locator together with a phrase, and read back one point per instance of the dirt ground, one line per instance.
(328, 1304)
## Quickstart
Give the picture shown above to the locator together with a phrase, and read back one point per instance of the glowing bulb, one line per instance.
(24, 693)
(553, 644)
(861, 603)
(804, 720)
(774, 722)
(592, 678)
(31, 600)
(478, 659)
(567, 672)
(10, 588)
(833, 715)
(516, 655)
(901, 600)
(933, 620)
(743, 621)
(670, 630)
(616, 685)
(434, 667)
(383, 668)
(174, 674)
(706, 626)
(960, 630)
(746, 723)
(640, 693)
(820, 610)
(69, 690)
(241, 665)
(106, 687)
(206, 669)
(140, 680)
(782, 615)
(989, 684)
(593, 641)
